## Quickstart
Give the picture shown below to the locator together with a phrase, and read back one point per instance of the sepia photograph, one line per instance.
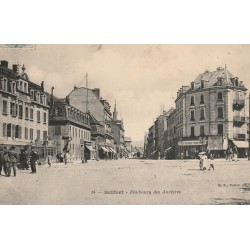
(125, 124)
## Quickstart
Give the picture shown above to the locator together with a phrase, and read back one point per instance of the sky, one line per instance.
(141, 78)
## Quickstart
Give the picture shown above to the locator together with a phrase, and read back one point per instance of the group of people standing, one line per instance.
(9, 160)
(232, 154)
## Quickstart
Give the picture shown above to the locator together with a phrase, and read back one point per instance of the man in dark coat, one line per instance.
(2, 161)
(33, 158)
(10, 158)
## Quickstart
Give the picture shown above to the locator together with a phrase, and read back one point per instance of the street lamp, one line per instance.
(203, 141)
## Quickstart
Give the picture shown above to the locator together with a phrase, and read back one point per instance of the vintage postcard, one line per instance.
(124, 124)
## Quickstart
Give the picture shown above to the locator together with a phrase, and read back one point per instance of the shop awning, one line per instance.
(168, 149)
(89, 148)
(113, 151)
(241, 144)
(190, 143)
(104, 149)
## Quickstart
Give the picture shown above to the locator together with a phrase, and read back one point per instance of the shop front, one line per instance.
(217, 145)
(242, 147)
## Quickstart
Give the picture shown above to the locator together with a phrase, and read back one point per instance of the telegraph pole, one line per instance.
(249, 126)
(87, 96)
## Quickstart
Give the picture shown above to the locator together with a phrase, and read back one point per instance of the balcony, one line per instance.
(109, 133)
(97, 130)
(239, 137)
(239, 120)
(238, 104)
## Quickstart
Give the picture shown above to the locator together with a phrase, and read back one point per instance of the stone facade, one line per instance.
(24, 109)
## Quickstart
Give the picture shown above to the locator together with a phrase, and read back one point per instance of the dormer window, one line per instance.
(192, 85)
(25, 87)
(202, 84)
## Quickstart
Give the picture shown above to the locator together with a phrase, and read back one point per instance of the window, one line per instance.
(13, 109)
(5, 110)
(13, 131)
(44, 118)
(38, 136)
(18, 132)
(202, 114)
(202, 99)
(69, 130)
(26, 113)
(202, 84)
(192, 101)
(192, 131)
(4, 129)
(26, 134)
(220, 129)
(31, 114)
(202, 131)
(220, 96)
(57, 130)
(220, 112)
(31, 134)
(192, 85)
(45, 135)
(25, 87)
(38, 116)
(192, 116)
(20, 113)
(9, 130)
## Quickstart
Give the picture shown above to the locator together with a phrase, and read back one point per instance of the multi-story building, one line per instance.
(151, 148)
(89, 100)
(212, 114)
(70, 129)
(24, 110)
(128, 144)
(171, 140)
(118, 130)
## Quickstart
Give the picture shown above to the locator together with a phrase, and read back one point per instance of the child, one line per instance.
(49, 160)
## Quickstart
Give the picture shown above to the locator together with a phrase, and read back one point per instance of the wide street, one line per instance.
(132, 181)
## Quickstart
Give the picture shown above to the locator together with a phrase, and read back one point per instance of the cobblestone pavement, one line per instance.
(132, 181)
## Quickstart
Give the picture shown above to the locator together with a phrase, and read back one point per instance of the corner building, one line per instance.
(212, 115)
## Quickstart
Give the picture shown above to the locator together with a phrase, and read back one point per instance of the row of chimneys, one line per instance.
(15, 67)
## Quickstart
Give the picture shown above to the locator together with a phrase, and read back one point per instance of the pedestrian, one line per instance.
(210, 160)
(49, 160)
(24, 159)
(33, 159)
(2, 161)
(66, 158)
(235, 154)
(10, 158)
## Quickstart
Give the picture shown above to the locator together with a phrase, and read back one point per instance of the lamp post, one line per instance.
(202, 140)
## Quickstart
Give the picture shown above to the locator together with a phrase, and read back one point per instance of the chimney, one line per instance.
(97, 92)
(67, 100)
(42, 85)
(15, 68)
(4, 64)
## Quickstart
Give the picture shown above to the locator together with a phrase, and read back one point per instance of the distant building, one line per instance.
(70, 129)
(89, 100)
(128, 144)
(118, 130)
(24, 110)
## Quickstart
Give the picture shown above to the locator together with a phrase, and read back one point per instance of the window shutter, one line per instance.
(13, 131)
